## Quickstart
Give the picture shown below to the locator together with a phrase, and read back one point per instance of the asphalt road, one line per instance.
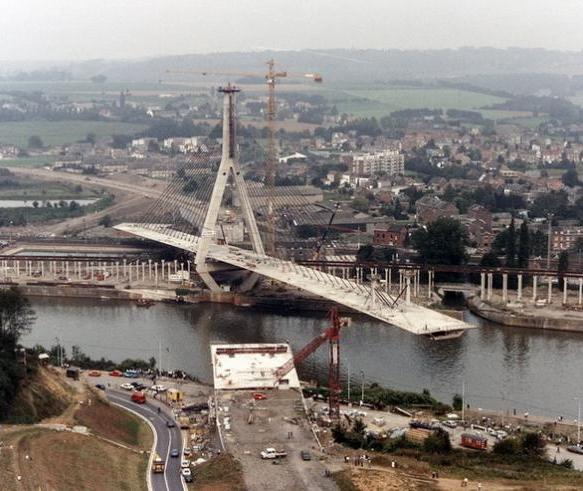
(167, 439)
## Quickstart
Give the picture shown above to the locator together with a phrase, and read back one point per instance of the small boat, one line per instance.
(443, 335)
(144, 302)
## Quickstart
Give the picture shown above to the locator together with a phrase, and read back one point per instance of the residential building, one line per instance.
(565, 238)
(393, 236)
(391, 162)
(430, 208)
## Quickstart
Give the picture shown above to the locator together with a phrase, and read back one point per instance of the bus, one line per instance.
(158, 465)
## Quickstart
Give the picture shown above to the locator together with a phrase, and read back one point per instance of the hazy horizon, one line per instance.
(64, 30)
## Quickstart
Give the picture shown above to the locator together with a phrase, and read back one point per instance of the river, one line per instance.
(502, 368)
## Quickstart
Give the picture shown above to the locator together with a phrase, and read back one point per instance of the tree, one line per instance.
(438, 442)
(538, 244)
(523, 246)
(91, 138)
(571, 178)
(99, 79)
(360, 204)
(35, 141)
(16, 317)
(563, 266)
(106, 221)
(443, 242)
(35, 204)
(490, 260)
(457, 402)
(532, 444)
(511, 245)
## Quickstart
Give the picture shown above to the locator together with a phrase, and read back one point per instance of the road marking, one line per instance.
(167, 458)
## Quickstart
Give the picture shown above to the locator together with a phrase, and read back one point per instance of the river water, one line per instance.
(502, 368)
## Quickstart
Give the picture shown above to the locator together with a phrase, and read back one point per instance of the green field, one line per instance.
(378, 102)
(61, 132)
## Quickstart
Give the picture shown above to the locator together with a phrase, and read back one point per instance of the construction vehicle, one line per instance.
(158, 465)
(332, 335)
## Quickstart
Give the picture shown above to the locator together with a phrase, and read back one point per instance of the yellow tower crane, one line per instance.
(271, 78)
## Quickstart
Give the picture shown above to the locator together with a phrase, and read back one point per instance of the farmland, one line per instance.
(62, 132)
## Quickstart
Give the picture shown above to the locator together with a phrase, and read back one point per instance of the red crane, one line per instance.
(332, 335)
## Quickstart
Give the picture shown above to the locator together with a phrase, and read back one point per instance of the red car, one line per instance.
(139, 397)
(116, 373)
(259, 397)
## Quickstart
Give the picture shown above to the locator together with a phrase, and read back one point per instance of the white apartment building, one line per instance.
(391, 162)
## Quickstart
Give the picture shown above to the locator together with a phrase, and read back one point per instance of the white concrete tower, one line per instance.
(229, 166)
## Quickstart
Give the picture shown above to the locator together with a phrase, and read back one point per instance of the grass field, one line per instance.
(381, 101)
(61, 132)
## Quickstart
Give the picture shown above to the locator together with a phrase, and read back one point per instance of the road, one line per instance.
(90, 181)
(167, 439)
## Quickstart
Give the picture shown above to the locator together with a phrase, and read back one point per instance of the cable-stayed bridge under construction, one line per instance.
(196, 214)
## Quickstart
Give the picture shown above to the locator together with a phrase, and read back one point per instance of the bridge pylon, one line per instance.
(228, 168)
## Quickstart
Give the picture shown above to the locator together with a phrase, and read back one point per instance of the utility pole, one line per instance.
(463, 399)
(349, 383)
(362, 387)
(578, 399)
(550, 229)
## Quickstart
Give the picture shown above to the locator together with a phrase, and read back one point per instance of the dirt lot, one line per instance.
(221, 474)
(272, 426)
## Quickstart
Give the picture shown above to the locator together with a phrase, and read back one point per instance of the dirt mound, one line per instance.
(42, 395)
(113, 423)
(67, 461)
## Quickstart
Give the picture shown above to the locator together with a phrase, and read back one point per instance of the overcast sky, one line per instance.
(86, 29)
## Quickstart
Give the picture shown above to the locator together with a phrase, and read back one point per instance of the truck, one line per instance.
(272, 453)
(158, 465)
(477, 442)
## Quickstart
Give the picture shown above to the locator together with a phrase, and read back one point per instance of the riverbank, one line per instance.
(517, 314)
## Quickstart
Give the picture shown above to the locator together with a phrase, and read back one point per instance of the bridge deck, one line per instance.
(410, 317)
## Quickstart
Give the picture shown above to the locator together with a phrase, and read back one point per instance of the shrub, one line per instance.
(508, 446)
(437, 442)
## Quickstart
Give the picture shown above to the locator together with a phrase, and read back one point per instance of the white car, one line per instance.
(185, 471)
(185, 464)
(127, 386)
(158, 388)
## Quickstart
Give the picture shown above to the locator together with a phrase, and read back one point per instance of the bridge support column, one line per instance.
(143, 271)
(519, 292)
(125, 268)
(390, 280)
(580, 299)
(156, 274)
(117, 271)
(482, 286)
(67, 269)
(550, 290)
(565, 290)
(400, 281)
(534, 285)
(408, 292)
(429, 283)
(175, 266)
(386, 280)
(505, 287)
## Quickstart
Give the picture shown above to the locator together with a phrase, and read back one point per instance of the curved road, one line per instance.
(167, 439)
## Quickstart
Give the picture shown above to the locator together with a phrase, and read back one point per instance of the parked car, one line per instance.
(258, 396)
(578, 449)
(158, 388)
(187, 451)
(131, 374)
(100, 386)
(94, 373)
(116, 373)
(126, 386)
(188, 478)
(449, 424)
(185, 464)
(306, 455)
(185, 471)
